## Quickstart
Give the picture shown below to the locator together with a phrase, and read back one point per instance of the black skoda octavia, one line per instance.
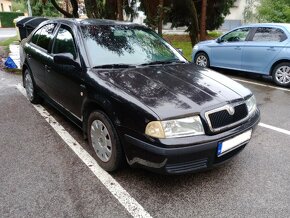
(135, 97)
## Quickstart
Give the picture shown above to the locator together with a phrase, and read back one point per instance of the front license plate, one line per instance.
(228, 145)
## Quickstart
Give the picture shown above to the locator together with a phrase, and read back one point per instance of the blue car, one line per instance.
(255, 48)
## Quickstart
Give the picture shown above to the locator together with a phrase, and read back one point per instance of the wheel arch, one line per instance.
(90, 105)
(276, 63)
(24, 68)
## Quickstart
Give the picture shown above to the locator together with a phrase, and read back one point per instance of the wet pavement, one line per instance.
(42, 177)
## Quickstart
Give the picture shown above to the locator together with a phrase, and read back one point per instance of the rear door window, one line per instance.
(269, 34)
(64, 42)
(43, 36)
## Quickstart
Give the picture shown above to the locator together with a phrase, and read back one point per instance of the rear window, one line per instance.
(269, 34)
(43, 36)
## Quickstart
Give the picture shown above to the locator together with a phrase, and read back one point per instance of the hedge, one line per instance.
(6, 18)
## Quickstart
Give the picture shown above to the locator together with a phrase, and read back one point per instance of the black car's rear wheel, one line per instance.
(281, 74)
(30, 88)
(103, 138)
(201, 59)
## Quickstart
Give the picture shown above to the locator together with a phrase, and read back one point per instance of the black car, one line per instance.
(135, 97)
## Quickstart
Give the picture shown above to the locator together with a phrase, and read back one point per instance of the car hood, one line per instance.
(207, 42)
(175, 90)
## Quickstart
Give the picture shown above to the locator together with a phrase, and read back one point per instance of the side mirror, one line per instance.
(180, 51)
(219, 40)
(66, 59)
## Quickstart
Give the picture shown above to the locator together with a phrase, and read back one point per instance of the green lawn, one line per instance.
(185, 46)
(8, 41)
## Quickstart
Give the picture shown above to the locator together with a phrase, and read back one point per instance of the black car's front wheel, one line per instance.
(103, 137)
(281, 74)
(30, 88)
(201, 59)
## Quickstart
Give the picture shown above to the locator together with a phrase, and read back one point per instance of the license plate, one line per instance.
(230, 144)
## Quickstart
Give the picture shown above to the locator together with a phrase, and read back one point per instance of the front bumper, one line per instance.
(183, 155)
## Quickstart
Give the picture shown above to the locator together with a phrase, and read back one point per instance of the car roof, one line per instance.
(84, 22)
(286, 25)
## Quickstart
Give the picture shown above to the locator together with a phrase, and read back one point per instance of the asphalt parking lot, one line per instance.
(42, 176)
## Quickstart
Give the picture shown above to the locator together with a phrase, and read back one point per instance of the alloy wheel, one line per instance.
(201, 60)
(282, 75)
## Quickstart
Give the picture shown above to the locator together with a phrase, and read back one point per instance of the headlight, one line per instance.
(251, 104)
(195, 47)
(175, 128)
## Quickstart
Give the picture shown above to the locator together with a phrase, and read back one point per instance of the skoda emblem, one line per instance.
(231, 110)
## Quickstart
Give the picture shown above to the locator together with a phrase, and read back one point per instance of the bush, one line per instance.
(6, 18)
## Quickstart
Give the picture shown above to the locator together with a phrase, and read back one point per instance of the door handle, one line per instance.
(238, 48)
(47, 68)
(271, 49)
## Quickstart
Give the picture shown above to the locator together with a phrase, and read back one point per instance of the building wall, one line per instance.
(236, 12)
(236, 17)
(5, 5)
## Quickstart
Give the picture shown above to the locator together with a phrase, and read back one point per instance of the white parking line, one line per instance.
(259, 84)
(287, 132)
(132, 206)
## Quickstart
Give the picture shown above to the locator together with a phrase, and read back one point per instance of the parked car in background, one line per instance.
(256, 48)
(135, 97)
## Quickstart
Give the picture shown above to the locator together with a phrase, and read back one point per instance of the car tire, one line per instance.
(201, 59)
(30, 88)
(281, 74)
(103, 138)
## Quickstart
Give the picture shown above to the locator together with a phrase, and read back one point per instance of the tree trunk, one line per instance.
(160, 16)
(92, 9)
(75, 7)
(203, 20)
(194, 27)
(120, 10)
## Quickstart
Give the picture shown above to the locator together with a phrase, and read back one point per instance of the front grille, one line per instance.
(187, 166)
(222, 118)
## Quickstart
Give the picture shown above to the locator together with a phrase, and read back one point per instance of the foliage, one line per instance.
(19, 6)
(39, 7)
(250, 15)
(188, 12)
(217, 10)
(45, 10)
(274, 11)
(214, 34)
(8, 41)
(7, 18)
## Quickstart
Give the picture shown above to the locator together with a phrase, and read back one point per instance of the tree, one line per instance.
(75, 7)
(46, 8)
(249, 12)
(274, 11)
(203, 20)
(188, 13)
(94, 8)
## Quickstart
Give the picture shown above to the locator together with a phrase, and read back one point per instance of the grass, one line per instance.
(185, 46)
(214, 34)
(8, 41)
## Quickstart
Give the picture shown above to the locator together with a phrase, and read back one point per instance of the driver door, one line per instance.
(227, 53)
(64, 81)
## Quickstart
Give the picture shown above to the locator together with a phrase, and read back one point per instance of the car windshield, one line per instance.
(126, 45)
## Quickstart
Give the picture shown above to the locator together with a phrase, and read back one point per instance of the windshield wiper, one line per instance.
(112, 66)
(163, 62)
